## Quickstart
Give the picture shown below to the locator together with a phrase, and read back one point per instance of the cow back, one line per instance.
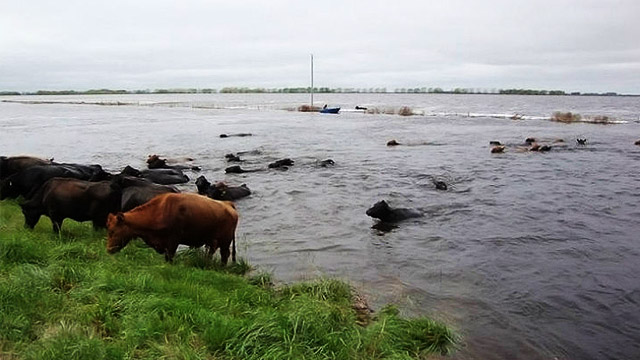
(192, 216)
(135, 196)
(14, 164)
(79, 200)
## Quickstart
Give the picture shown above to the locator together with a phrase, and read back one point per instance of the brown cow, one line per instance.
(171, 219)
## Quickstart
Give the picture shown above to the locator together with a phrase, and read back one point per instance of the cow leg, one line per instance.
(170, 252)
(224, 254)
(99, 223)
(212, 247)
(233, 250)
(57, 225)
(210, 251)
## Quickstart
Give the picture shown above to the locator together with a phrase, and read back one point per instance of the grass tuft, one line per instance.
(18, 251)
(324, 289)
(198, 258)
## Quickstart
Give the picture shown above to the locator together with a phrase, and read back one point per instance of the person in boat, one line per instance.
(325, 106)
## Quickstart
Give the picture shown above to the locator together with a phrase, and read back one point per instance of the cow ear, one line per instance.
(120, 217)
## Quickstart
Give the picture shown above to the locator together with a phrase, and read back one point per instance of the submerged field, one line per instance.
(64, 297)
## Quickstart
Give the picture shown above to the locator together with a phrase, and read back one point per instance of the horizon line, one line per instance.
(307, 89)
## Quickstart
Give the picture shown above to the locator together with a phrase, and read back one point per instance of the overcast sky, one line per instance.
(572, 45)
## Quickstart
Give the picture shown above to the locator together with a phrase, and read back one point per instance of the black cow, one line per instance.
(381, 210)
(14, 164)
(155, 162)
(232, 157)
(137, 191)
(440, 185)
(88, 172)
(283, 163)
(220, 190)
(28, 181)
(236, 169)
(62, 198)
(239, 134)
(327, 163)
(158, 176)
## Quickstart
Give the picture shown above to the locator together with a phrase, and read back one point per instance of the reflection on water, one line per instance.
(529, 255)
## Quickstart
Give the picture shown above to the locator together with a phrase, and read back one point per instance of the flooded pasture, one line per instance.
(526, 254)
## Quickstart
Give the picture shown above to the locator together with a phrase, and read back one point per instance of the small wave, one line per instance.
(71, 102)
(511, 116)
(595, 121)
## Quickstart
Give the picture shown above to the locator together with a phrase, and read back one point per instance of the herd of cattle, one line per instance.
(144, 203)
(88, 193)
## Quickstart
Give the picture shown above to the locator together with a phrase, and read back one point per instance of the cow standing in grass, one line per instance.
(62, 198)
(169, 220)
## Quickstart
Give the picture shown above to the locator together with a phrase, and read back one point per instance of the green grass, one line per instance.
(63, 297)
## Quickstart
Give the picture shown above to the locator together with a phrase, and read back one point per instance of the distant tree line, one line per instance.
(305, 90)
(531, 92)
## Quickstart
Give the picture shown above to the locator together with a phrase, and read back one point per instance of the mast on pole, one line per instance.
(312, 81)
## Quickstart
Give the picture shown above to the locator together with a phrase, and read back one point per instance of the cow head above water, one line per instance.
(219, 191)
(152, 158)
(155, 162)
(379, 210)
(118, 232)
(202, 184)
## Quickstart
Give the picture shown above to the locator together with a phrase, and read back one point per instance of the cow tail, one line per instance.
(233, 250)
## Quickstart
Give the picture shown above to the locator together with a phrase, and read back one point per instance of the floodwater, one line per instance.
(527, 255)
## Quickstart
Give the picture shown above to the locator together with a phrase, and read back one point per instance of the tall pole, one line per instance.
(312, 81)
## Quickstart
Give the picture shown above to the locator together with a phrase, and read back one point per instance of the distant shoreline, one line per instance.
(321, 90)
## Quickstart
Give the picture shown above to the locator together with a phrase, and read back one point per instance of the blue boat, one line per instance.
(333, 110)
(325, 109)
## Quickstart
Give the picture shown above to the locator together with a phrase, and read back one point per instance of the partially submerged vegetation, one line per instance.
(569, 117)
(402, 110)
(64, 297)
(565, 117)
(308, 108)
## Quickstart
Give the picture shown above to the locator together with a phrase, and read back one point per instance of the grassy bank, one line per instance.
(64, 297)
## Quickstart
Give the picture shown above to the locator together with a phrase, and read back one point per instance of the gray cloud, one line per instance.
(572, 45)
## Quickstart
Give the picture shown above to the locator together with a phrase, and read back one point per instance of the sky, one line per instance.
(571, 45)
